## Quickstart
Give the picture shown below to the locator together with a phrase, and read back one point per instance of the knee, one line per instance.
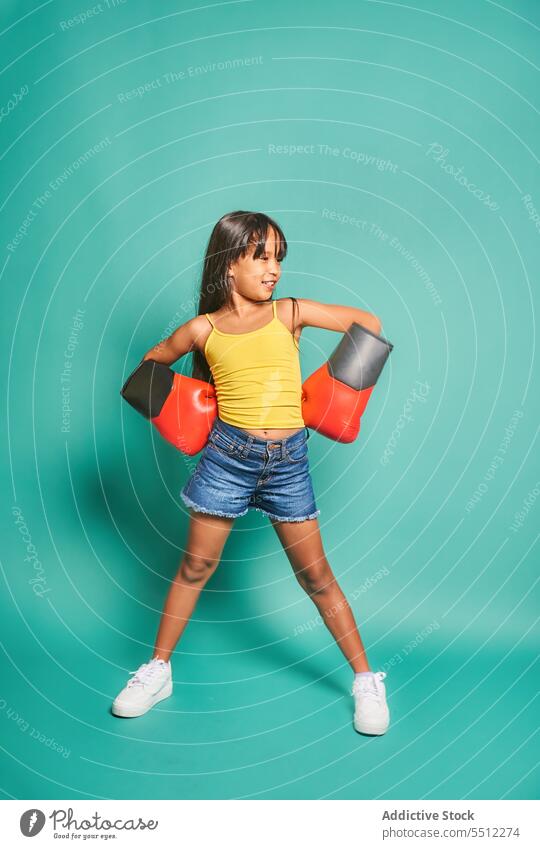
(196, 568)
(317, 578)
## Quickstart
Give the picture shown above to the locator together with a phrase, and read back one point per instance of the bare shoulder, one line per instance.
(190, 336)
(307, 307)
(303, 310)
(200, 329)
(200, 323)
(289, 313)
(284, 307)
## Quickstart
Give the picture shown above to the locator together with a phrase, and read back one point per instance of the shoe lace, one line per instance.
(143, 675)
(368, 685)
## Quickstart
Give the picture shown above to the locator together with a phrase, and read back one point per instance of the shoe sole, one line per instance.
(373, 730)
(129, 712)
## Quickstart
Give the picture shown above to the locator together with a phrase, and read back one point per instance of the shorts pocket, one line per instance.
(222, 443)
(298, 453)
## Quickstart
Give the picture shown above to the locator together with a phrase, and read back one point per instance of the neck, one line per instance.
(244, 306)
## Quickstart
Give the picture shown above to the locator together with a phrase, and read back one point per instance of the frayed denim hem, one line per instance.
(200, 509)
(287, 518)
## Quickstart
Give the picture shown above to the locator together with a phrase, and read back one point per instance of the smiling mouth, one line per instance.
(268, 283)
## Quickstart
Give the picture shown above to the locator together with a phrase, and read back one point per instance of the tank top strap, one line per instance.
(274, 308)
(209, 319)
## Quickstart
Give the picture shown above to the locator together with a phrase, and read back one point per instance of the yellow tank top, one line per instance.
(256, 375)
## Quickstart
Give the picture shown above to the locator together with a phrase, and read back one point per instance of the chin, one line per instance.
(264, 296)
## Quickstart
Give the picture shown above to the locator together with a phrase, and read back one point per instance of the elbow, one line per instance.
(156, 353)
(374, 324)
(368, 320)
(163, 353)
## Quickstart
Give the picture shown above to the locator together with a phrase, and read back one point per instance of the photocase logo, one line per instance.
(32, 822)
(64, 824)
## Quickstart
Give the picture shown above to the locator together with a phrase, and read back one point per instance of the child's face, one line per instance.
(256, 278)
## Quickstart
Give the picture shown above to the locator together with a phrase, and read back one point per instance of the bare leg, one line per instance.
(303, 546)
(207, 536)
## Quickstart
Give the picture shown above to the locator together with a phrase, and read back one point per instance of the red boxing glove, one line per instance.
(335, 396)
(181, 408)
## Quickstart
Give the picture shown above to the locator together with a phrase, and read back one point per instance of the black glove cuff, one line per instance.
(359, 358)
(148, 387)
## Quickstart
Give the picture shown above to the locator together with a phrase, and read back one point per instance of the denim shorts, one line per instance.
(238, 471)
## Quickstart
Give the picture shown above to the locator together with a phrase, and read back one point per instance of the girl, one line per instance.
(246, 343)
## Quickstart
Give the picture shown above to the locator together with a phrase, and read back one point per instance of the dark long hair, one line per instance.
(230, 239)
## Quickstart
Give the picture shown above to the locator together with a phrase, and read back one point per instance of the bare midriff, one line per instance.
(274, 433)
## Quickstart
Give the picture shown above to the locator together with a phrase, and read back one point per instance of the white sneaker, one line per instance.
(151, 683)
(371, 714)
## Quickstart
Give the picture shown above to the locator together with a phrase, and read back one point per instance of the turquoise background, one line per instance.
(443, 582)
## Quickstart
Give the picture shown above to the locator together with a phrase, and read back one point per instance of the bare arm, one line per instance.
(335, 316)
(185, 338)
